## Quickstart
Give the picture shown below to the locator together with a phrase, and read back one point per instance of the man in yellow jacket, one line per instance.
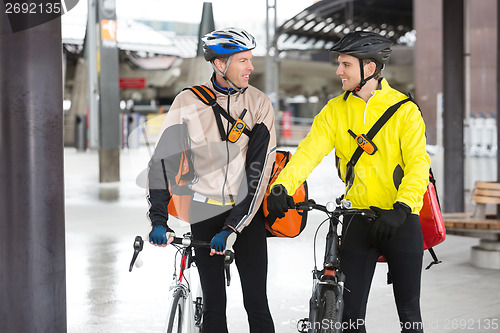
(391, 179)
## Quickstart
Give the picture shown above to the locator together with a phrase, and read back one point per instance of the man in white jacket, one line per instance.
(229, 165)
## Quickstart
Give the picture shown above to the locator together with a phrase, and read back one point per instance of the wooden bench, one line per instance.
(480, 224)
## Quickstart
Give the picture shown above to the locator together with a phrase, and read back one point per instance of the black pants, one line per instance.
(251, 260)
(404, 254)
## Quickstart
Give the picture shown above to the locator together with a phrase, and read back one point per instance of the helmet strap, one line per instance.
(362, 74)
(224, 74)
(363, 79)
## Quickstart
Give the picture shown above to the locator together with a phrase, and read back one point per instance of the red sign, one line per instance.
(133, 83)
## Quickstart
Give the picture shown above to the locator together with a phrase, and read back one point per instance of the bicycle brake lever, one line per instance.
(305, 205)
(138, 246)
(370, 214)
(228, 259)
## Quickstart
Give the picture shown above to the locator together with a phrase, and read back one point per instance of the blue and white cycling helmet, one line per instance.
(226, 42)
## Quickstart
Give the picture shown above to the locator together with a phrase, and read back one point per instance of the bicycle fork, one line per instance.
(315, 303)
(340, 299)
(329, 278)
(331, 266)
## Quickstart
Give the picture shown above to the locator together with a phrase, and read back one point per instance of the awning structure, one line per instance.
(322, 24)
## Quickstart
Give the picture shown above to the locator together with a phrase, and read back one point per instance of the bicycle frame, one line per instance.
(192, 308)
(330, 276)
(324, 305)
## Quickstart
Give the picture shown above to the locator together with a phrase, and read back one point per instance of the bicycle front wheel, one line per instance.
(327, 311)
(174, 323)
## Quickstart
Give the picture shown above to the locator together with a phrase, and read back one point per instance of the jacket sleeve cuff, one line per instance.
(159, 222)
(401, 205)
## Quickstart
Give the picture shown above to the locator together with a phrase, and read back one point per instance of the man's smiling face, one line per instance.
(240, 69)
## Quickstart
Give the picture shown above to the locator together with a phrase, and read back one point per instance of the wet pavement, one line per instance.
(103, 296)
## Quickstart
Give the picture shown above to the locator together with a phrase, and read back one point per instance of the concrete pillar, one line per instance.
(32, 240)
(453, 115)
(109, 101)
(428, 74)
(498, 95)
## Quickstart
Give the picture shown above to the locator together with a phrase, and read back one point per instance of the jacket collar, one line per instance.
(224, 90)
(382, 89)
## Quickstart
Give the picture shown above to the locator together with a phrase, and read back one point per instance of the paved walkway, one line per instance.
(102, 296)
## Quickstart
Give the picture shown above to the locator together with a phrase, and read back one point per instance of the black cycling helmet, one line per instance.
(365, 45)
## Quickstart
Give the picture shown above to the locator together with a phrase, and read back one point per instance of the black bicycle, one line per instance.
(326, 304)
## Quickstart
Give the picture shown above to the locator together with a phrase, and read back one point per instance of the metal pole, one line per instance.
(467, 101)
(272, 60)
(32, 240)
(276, 70)
(268, 78)
(453, 116)
(271, 55)
(109, 93)
(91, 53)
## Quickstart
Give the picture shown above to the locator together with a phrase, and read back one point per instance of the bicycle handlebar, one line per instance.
(228, 253)
(187, 241)
(335, 209)
(310, 205)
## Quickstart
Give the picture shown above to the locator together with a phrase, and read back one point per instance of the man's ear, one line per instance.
(221, 65)
(370, 68)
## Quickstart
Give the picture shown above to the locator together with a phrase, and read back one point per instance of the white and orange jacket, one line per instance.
(224, 172)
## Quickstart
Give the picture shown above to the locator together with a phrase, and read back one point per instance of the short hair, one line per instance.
(379, 67)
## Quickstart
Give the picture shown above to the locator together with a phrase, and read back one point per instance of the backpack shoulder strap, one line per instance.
(371, 134)
(205, 94)
(208, 97)
(376, 128)
(384, 118)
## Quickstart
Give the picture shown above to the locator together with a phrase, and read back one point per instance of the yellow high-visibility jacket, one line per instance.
(398, 171)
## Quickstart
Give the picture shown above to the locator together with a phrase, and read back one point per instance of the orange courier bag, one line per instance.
(294, 222)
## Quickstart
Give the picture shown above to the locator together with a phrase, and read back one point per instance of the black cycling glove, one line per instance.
(388, 221)
(278, 202)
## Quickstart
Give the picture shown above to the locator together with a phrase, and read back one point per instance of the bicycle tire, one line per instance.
(327, 311)
(174, 323)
